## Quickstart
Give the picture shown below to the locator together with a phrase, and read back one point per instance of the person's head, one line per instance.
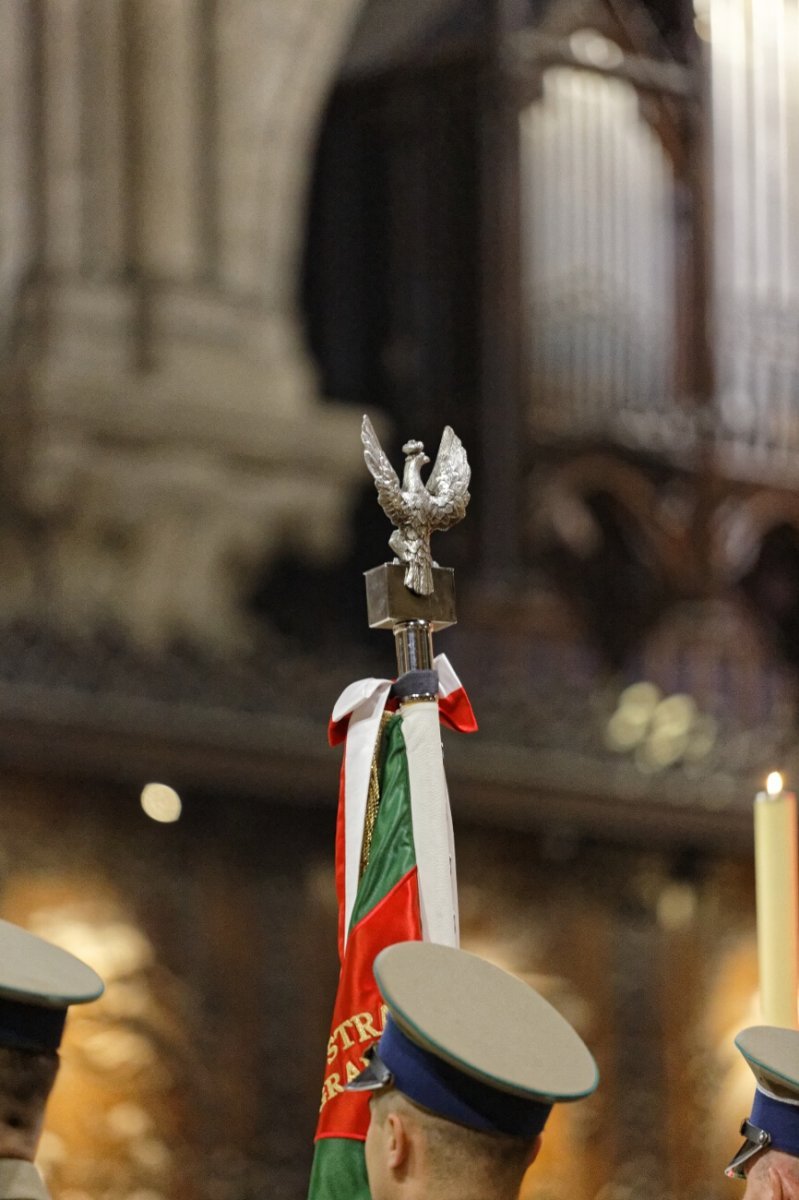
(768, 1160)
(38, 982)
(468, 1067)
(406, 1145)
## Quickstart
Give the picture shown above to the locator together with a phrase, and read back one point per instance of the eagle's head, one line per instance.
(415, 450)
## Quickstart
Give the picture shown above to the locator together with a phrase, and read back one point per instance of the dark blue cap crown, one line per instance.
(30, 1026)
(779, 1118)
(449, 1092)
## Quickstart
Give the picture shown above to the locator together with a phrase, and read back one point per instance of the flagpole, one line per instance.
(393, 790)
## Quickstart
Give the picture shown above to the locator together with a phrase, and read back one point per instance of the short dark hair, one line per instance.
(484, 1163)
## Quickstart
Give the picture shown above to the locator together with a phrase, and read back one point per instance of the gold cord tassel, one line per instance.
(373, 798)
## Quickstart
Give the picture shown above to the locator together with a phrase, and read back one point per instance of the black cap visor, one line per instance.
(756, 1140)
(374, 1076)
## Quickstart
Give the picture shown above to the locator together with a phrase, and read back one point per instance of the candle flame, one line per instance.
(774, 783)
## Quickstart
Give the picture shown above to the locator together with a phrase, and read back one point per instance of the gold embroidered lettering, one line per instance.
(364, 1028)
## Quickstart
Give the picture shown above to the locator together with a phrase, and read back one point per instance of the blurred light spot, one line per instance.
(660, 731)
(774, 783)
(127, 949)
(625, 730)
(116, 1049)
(591, 47)
(676, 906)
(702, 738)
(640, 697)
(112, 949)
(128, 999)
(575, 525)
(51, 1149)
(675, 714)
(161, 802)
(128, 1120)
(666, 746)
(151, 1154)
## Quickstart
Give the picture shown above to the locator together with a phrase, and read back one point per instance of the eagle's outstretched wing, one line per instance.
(389, 492)
(448, 484)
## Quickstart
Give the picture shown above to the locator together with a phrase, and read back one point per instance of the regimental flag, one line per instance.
(395, 879)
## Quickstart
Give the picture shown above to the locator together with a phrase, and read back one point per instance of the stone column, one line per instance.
(63, 182)
(16, 222)
(276, 63)
(106, 220)
(169, 143)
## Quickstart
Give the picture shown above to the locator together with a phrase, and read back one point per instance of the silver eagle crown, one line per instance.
(416, 508)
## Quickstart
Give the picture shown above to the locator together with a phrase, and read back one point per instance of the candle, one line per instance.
(776, 890)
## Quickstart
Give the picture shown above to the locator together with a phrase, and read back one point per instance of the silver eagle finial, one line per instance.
(415, 507)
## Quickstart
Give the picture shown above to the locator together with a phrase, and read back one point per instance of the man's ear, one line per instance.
(396, 1140)
(534, 1151)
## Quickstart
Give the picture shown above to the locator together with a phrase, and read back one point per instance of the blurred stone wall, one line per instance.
(164, 436)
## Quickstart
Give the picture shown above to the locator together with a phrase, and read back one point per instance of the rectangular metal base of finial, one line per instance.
(389, 602)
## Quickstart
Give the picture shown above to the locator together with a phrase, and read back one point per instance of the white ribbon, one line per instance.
(432, 823)
(364, 702)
